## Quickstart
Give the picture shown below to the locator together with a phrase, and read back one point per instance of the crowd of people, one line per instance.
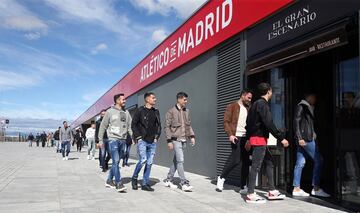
(248, 125)
(46, 139)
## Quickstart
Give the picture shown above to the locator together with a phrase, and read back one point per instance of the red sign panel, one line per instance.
(215, 22)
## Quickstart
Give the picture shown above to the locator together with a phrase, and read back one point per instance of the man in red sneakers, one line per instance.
(258, 125)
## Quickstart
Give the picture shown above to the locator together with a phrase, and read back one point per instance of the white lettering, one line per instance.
(199, 32)
(209, 21)
(190, 43)
(227, 6)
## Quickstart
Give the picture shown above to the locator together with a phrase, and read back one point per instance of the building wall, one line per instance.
(198, 79)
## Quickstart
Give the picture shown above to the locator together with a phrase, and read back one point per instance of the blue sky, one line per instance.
(57, 57)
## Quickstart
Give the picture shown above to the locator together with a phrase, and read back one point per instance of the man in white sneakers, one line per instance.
(65, 137)
(178, 131)
(90, 137)
(234, 125)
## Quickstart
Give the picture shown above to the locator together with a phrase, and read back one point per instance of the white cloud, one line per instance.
(14, 16)
(100, 47)
(91, 97)
(10, 80)
(159, 35)
(183, 8)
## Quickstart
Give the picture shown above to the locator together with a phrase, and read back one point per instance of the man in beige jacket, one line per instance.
(178, 131)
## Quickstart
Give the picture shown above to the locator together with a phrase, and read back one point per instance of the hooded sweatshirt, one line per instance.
(117, 124)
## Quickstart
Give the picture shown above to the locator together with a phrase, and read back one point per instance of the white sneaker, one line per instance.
(170, 184)
(88, 157)
(220, 184)
(244, 191)
(300, 193)
(186, 187)
(93, 158)
(275, 195)
(319, 193)
(255, 199)
(66, 158)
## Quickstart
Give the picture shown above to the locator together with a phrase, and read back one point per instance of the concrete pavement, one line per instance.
(38, 180)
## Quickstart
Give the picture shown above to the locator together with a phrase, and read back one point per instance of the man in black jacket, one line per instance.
(57, 140)
(146, 127)
(305, 138)
(259, 123)
(104, 152)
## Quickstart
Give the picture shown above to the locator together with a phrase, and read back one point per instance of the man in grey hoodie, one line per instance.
(65, 137)
(117, 124)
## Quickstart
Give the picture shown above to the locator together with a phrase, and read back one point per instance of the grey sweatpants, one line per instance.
(178, 162)
(91, 146)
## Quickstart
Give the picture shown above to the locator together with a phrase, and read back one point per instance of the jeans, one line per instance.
(104, 155)
(239, 156)
(67, 145)
(178, 162)
(146, 153)
(116, 149)
(30, 143)
(260, 154)
(309, 150)
(91, 146)
(127, 148)
(57, 145)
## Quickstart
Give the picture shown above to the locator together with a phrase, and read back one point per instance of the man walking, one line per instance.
(178, 130)
(234, 125)
(65, 137)
(117, 123)
(146, 126)
(30, 139)
(57, 140)
(305, 137)
(258, 125)
(90, 137)
(104, 152)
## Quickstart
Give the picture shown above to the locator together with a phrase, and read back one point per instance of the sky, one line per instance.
(57, 57)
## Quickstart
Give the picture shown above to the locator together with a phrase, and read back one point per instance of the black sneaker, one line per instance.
(120, 187)
(110, 184)
(104, 170)
(134, 184)
(147, 188)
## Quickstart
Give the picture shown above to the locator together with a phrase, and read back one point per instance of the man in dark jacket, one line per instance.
(146, 126)
(305, 138)
(43, 139)
(30, 139)
(104, 152)
(57, 140)
(258, 125)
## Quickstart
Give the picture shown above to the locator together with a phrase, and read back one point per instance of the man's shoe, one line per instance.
(103, 170)
(186, 187)
(255, 199)
(300, 193)
(120, 187)
(220, 184)
(275, 195)
(170, 184)
(244, 191)
(147, 188)
(110, 184)
(319, 193)
(64, 158)
(134, 184)
(88, 157)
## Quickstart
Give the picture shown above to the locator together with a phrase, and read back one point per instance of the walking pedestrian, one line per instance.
(104, 151)
(90, 137)
(127, 149)
(43, 138)
(30, 139)
(234, 125)
(49, 139)
(66, 137)
(37, 139)
(57, 140)
(146, 126)
(178, 131)
(258, 125)
(117, 123)
(305, 137)
(79, 140)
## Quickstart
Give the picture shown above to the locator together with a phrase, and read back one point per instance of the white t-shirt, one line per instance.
(240, 128)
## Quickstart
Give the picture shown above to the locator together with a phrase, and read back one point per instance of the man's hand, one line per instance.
(155, 140)
(285, 143)
(302, 143)
(232, 139)
(99, 146)
(247, 146)
(170, 146)
(192, 141)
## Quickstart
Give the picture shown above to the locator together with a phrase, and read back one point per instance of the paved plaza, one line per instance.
(38, 180)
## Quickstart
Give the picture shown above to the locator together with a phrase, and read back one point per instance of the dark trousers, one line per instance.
(104, 155)
(238, 157)
(260, 154)
(78, 146)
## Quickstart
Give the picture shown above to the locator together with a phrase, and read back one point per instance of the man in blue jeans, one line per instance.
(146, 126)
(305, 137)
(104, 153)
(65, 137)
(117, 123)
